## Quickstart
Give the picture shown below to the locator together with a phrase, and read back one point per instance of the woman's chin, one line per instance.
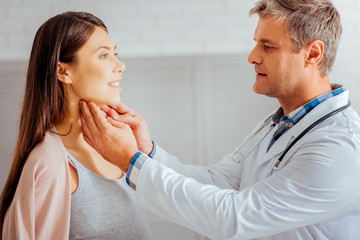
(110, 100)
(110, 103)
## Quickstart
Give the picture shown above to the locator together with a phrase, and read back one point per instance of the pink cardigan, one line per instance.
(41, 205)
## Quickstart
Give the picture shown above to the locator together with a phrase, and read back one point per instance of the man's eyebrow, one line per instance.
(266, 41)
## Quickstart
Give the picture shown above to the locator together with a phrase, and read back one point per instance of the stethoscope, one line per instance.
(278, 161)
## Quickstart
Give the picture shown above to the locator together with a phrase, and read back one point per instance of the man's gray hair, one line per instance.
(306, 21)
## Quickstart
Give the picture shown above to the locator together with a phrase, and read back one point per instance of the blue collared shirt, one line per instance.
(286, 122)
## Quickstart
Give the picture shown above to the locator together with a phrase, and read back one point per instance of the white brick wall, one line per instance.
(158, 27)
(346, 68)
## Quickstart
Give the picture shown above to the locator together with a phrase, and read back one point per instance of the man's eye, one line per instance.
(266, 47)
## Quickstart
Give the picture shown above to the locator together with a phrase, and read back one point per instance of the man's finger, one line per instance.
(105, 108)
(88, 140)
(87, 118)
(131, 112)
(98, 117)
(109, 111)
(85, 130)
(129, 120)
(125, 117)
(116, 123)
(121, 108)
(112, 113)
(103, 113)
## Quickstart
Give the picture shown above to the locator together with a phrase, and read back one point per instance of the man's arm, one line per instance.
(314, 187)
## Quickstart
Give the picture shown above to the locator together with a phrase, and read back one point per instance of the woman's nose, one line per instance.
(120, 66)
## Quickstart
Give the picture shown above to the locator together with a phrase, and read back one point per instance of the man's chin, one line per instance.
(263, 91)
(258, 88)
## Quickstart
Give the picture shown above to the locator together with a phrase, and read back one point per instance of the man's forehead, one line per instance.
(270, 30)
(267, 39)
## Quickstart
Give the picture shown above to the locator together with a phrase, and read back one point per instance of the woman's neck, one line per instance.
(70, 130)
(74, 142)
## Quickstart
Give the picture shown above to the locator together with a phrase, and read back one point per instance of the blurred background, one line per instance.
(187, 72)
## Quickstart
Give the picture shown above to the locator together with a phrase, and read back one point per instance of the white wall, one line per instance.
(156, 27)
(139, 27)
(186, 60)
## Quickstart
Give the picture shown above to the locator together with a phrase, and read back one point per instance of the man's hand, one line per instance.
(111, 139)
(124, 114)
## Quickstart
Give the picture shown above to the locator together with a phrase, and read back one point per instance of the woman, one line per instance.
(58, 186)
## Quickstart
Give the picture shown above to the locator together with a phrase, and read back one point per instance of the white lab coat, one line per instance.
(314, 193)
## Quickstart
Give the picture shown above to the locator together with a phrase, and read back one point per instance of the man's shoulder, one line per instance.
(346, 122)
(340, 133)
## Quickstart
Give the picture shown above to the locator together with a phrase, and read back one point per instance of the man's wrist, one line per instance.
(153, 151)
(125, 160)
(148, 148)
(134, 168)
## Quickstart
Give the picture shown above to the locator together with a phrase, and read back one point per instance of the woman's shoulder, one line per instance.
(49, 151)
(44, 189)
(47, 160)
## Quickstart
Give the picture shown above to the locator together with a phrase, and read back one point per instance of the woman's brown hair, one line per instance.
(57, 40)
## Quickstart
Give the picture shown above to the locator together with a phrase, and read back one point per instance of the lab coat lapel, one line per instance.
(280, 145)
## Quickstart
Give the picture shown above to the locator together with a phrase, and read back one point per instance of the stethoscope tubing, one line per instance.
(314, 124)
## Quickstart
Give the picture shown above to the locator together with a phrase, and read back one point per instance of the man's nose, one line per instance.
(254, 57)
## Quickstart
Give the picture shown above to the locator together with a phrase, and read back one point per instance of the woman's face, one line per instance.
(96, 74)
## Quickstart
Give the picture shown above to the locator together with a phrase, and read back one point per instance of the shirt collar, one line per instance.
(296, 115)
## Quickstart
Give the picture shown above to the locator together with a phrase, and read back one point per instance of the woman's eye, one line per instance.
(115, 54)
(104, 56)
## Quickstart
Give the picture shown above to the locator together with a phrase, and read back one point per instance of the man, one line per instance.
(296, 177)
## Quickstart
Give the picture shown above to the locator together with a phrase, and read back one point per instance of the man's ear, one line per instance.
(63, 73)
(314, 53)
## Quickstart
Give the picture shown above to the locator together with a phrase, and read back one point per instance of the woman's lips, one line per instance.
(114, 84)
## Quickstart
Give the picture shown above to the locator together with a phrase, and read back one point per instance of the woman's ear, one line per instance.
(63, 73)
(315, 52)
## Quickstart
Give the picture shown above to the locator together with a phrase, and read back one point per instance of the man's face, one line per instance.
(279, 69)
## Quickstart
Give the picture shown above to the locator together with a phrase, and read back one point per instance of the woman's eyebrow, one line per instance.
(105, 47)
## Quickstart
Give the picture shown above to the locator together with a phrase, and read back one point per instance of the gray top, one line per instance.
(105, 209)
